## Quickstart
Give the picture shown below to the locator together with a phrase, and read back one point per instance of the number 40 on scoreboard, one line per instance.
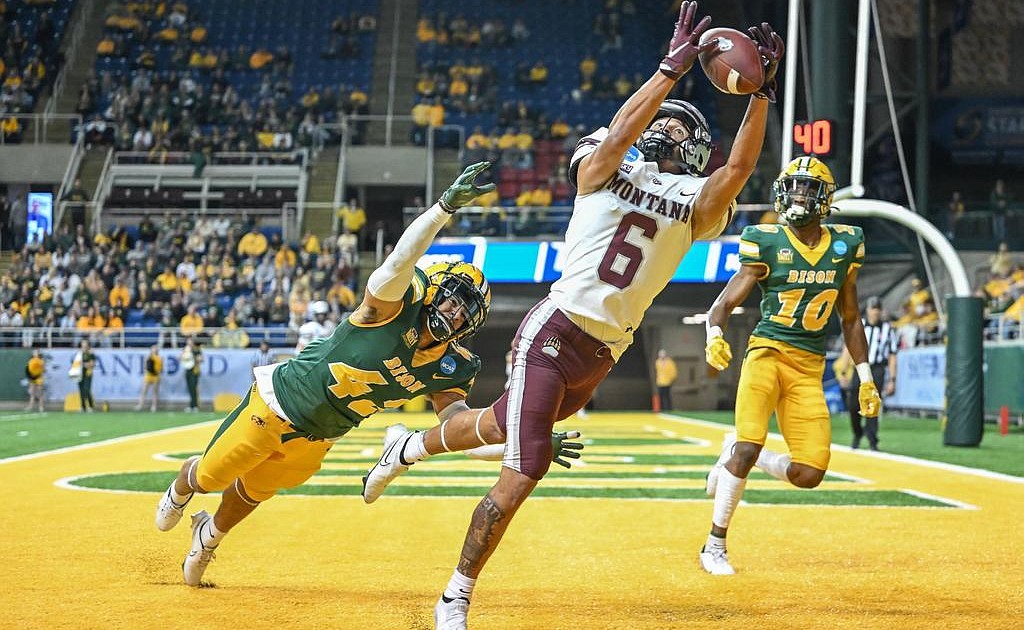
(814, 137)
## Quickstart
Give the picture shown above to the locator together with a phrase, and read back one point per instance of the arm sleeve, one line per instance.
(390, 281)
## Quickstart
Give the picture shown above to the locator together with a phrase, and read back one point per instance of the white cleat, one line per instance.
(716, 561)
(711, 481)
(451, 615)
(168, 513)
(200, 555)
(390, 465)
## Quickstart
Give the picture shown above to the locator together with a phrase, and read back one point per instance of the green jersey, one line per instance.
(360, 369)
(800, 285)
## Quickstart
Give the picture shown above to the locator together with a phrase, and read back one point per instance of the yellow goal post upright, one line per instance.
(964, 324)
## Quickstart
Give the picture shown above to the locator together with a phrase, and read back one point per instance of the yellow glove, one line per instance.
(718, 353)
(870, 401)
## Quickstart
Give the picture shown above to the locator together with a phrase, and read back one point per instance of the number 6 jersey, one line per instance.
(624, 243)
(799, 285)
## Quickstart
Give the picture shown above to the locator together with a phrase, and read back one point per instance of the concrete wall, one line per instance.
(36, 163)
(393, 166)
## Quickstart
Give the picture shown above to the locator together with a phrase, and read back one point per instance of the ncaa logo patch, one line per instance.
(840, 247)
(784, 256)
(551, 346)
(632, 155)
(447, 365)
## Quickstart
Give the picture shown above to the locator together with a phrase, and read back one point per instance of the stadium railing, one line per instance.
(39, 128)
(140, 337)
(501, 221)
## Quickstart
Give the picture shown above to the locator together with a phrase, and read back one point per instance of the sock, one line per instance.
(414, 449)
(775, 464)
(727, 497)
(179, 500)
(459, 586)
(210, 536)
(714, 542)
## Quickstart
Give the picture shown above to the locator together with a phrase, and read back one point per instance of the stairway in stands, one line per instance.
(320, 189)
(84, 57)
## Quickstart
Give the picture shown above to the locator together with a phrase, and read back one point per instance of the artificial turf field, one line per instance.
(884, 542)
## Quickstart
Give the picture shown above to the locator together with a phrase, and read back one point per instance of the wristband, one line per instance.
(864, 372)
(712, 332)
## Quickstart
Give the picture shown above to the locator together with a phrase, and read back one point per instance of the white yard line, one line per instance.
(926, 463)
(22, 416)
(117, 440)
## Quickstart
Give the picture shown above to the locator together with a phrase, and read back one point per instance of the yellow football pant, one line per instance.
(248, 446)
(785, 380)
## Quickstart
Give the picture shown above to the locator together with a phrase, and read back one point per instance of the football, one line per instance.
(734, 66)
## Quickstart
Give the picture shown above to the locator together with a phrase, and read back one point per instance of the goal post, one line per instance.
(965, 382)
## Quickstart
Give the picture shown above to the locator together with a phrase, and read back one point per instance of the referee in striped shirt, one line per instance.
(882, 347)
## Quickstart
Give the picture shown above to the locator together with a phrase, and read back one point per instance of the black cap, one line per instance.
(874, 302)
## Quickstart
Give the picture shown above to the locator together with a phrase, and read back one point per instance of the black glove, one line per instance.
(562, 448)
(685, 44)
(771, 47)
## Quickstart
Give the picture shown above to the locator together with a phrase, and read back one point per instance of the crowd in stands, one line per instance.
(1003, 292)
(189, 274)
(30, 36)
(994, 215)
(178, 91)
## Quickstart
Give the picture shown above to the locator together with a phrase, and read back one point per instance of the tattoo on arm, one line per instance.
(485, 530)
(366, 314)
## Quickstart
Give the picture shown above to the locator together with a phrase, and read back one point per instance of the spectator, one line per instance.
(82, 366)
(152, 369)
(263, 356)
(1001, 263)
(999, 203)
(539, 73)
(34, 372)
(191, 361)
(253, 243)
(191, 324)
(955, 212)
(665, 374)
(353, 219)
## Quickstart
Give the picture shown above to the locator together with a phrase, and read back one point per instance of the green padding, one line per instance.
(965, 376)
(12, 370)
(1005, 365)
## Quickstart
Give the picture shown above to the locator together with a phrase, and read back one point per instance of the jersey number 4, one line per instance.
(350, 382)
(622, 260)
(816, 313)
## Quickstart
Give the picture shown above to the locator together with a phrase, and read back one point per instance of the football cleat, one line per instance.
(716, 561)
(451, 615)
(200, 555)
(168, 513)
(390, 465)
(711, 481)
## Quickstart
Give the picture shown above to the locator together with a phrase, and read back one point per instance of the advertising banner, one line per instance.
(118, 374)
(542, 261)
(920, 379)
